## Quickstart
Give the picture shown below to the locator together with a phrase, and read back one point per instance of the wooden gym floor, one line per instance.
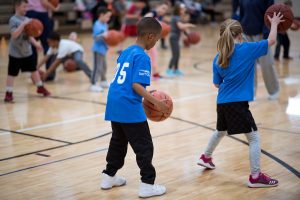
(55, 148)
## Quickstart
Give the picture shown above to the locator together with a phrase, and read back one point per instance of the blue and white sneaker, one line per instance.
(178, 72)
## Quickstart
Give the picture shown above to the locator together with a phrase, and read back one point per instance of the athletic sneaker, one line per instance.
(274, 96)
(42, 90)
(96, 88)
(178, 72)
(149, 190)
(262, 181)
(206, 162)
(104, 84)
(170, 73)
(156, 76)
(110, 181)
(8, 97)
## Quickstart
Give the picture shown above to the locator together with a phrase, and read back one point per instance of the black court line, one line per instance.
(36, 136)
(52, 162)
(279, 130)
(276, 159)
(52, 148)
(80, 155)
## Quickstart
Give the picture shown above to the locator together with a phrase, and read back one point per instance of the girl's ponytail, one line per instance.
(230, 29)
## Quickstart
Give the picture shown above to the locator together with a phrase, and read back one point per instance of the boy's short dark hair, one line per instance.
(19, 2)
(102, 10)
(54, 36)
(148, 25)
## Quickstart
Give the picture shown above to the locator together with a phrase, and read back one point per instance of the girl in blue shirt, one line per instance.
(233, 74)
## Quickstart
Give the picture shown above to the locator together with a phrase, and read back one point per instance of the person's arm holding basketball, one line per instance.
(184, 26)
(48, 5)
(275, 20)
(35, 43)
(138, 88)
(16, 31)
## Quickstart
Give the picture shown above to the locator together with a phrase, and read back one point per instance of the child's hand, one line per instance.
(161, 105)
(26, 21)
(276, 19)
(105, 34)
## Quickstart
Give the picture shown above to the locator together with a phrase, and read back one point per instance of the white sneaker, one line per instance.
(274, 96)
(104, 84)
(148, 190)
(95, 88)
(110, 181)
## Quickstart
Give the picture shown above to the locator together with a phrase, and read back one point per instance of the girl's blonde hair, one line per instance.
(229, 30)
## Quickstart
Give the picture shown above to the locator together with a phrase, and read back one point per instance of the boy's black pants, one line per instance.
(139, 137)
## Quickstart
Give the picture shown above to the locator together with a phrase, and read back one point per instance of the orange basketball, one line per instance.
(152, 112)
(34, 28)
(70, 65)
(287, 16)
(193, 37)
(54, 2)
(166, 28)
(296, 25)
(114, 37)
(186, 42)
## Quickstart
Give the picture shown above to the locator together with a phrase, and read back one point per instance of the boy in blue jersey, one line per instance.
(100, 48)
(125, 111)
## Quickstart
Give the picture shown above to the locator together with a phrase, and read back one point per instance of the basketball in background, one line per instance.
(114, 37)
(54, 2)
(296, 25)
(34, 28)
(70, 65)
(193, 38)
(152, 112)
(166, 28)
(287, 13)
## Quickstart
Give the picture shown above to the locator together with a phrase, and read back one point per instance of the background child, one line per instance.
(125, 111)
(100, 48)
(176, 27)
(283, 40)
(157, 13)
(64, 49)
(134, 13)
(20, 51)
(233, 74)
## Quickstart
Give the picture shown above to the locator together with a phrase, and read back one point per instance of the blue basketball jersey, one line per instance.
(123, 103)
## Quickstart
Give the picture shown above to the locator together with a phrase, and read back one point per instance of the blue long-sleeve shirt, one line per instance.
(252, 16)
(99, 45)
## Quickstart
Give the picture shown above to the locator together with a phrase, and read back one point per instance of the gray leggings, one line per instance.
(99, 68)
(254, 147)
(174, 43)
(78, 58)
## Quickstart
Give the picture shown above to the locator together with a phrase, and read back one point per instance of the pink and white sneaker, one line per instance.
(206, 162)
(262, 181)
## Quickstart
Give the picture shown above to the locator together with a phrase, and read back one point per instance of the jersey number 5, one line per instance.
(122, 74)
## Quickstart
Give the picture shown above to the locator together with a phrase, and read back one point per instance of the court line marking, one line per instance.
(84, 154)
(62, 122)
(36, 136)
(56, 147)
(276, 159)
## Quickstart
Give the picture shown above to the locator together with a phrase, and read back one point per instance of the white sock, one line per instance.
(39, 84)
(9, 88)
